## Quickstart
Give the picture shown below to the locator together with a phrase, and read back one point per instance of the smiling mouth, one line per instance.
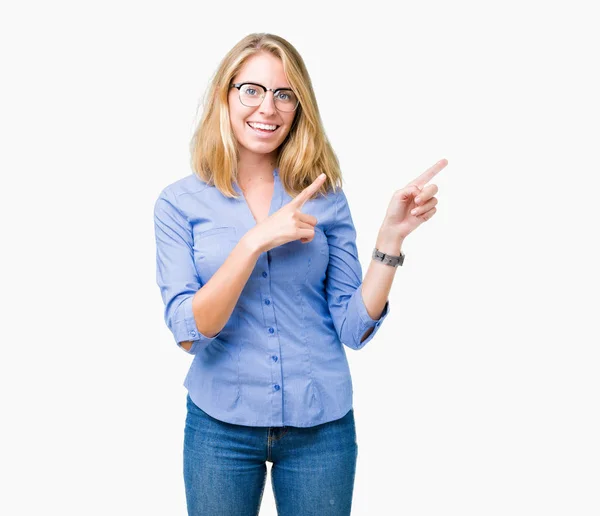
(263, 128)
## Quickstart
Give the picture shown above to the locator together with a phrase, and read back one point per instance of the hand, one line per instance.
(288, 223)
(417, 197)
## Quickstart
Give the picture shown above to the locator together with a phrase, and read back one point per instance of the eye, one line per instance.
(283, 96)
(249, 90)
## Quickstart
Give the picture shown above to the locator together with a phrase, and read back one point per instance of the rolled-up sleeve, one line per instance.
(176, 273)
(344, 281)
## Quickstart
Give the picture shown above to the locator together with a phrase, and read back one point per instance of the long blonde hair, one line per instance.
(304, 154)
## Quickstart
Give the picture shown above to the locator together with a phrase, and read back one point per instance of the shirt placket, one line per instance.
(273, 343)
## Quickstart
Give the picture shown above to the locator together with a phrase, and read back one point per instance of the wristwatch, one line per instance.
(388, 259)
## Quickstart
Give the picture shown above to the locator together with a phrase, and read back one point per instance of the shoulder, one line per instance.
(339, 201)
(334, 208)
(191, 199)
(188, 185)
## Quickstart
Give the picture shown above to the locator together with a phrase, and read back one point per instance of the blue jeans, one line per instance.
(225, 470)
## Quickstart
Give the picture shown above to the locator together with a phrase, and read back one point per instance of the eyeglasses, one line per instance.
(252, 95)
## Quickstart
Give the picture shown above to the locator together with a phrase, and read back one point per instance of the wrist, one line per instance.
(251, 243)
(389, 241)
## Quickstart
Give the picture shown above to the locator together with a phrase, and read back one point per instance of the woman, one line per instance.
(259, 272)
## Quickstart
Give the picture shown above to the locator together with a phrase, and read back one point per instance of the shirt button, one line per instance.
(276, 387)
(193, 333)
(267, 302)
(264, 274)
(274, 358)
(271, 330)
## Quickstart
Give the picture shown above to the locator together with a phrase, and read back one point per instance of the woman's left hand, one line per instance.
(413, 204)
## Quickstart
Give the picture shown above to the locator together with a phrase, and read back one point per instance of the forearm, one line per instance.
(378, 280)
(213, 304)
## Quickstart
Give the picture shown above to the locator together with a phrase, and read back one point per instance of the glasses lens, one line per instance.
(251, 94)
(286, 100)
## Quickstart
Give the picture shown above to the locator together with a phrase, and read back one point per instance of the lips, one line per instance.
(263, 132)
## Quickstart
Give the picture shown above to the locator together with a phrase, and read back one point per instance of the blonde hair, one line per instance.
(303, 155)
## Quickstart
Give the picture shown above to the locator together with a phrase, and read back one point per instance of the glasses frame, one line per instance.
(238, 85)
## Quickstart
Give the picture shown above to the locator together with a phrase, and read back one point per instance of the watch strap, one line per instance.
(388, 259)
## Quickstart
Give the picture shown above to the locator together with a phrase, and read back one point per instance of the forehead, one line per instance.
(265, 69)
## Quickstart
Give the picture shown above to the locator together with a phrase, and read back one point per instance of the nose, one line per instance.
(267, 107)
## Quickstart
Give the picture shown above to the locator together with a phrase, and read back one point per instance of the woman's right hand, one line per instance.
(288, 223)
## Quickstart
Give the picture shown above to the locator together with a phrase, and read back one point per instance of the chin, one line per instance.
(260, 149)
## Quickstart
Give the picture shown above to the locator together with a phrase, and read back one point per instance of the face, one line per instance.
(267, 70)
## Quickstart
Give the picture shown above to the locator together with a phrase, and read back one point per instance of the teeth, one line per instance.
(262, 126)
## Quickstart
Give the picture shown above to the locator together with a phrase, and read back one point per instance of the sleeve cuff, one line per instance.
(365, 320)
(186, 329)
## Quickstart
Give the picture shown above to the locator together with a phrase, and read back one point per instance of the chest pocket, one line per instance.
(211, 249)
(304, 263)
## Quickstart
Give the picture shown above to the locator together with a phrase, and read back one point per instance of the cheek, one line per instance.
(289, 124)
(288, 127)
(238, 124)
(284, 135)
(236, 115)
(238, 128)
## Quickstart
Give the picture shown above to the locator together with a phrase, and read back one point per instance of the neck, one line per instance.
(254, 167)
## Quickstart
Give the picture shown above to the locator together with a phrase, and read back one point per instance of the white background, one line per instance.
(480, 394)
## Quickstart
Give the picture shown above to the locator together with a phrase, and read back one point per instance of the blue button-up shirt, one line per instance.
(279, 360)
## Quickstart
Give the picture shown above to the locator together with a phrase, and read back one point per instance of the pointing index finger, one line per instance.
(428, 175)
(308, 192)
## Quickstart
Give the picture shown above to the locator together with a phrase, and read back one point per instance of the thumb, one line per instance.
(409, 193)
